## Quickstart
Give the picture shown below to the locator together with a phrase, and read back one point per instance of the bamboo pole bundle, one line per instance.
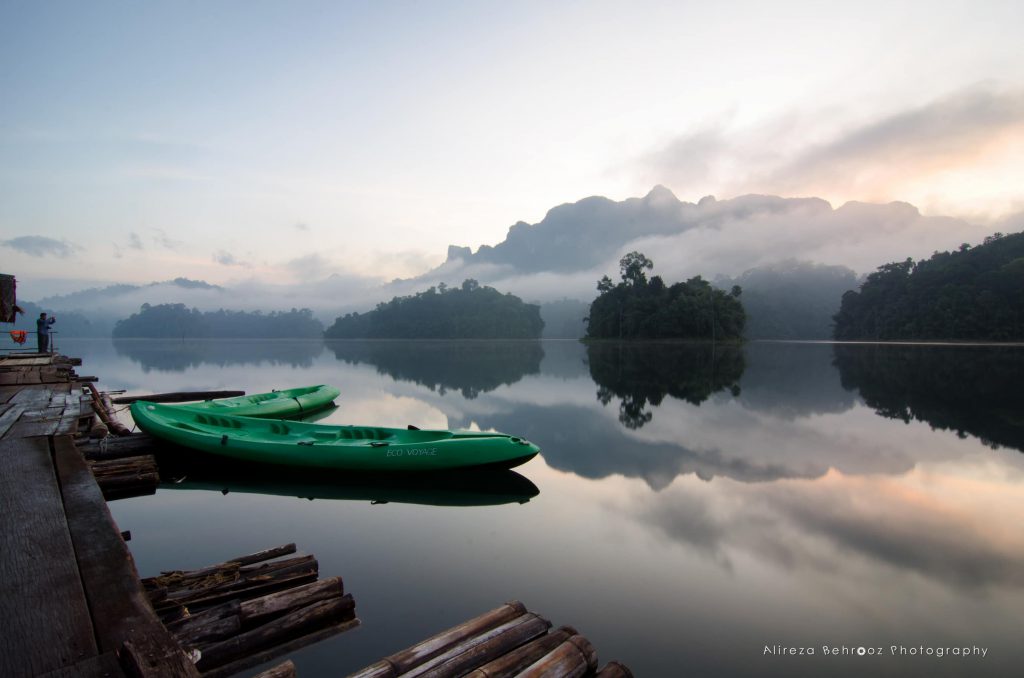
(573, 658)
(512, 663)
(248, 610)
(126, 477)
(105, 410)
(426, 650)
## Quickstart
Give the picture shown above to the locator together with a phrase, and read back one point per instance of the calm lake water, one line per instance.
(692, 508)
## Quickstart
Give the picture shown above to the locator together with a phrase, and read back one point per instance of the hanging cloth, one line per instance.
(19, 336)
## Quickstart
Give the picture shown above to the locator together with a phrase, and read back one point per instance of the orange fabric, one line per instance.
(19, 336)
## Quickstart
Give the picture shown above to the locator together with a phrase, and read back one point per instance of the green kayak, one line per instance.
(354, 448)
(292, 402)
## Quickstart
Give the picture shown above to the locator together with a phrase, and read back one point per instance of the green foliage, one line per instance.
(970, 390)
(466, 312)
(973, 293)
(176, 320)
(640, 309)
(641, 376)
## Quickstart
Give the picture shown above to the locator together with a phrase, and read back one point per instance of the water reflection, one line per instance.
(641, 375)
(831, 501)
(169, 355)
(971, 390)
(469, 367)
(183, 471)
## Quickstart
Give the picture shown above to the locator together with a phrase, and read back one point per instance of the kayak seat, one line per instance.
(222, 422)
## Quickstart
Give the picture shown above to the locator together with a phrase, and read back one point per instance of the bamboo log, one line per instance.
(515, 661)
(208, 630)
(233, 564)
(250, 589)
(231, 577)
(614, 670)
(124, 446)
(178, 397)
(232, 608)
(260, 609)
(279, 630)
(106, 415)
(426, 650)
(574, 658)
(285, 670)
(483, 648)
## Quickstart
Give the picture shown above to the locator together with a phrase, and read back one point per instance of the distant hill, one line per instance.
(173, 321)
(792, 299)
(972, 293)
(466, 312)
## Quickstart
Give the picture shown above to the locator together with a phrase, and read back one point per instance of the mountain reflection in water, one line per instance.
(704, 508)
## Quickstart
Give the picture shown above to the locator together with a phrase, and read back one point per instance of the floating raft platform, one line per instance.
(507, 641)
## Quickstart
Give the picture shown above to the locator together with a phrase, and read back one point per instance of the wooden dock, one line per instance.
(72, 603)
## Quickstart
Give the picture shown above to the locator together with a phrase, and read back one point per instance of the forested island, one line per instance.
(638, 308)
(974, 293)
(169, 321)
(471, 311)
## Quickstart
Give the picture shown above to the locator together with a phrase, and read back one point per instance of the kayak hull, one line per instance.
(292, 402)
(353, 448)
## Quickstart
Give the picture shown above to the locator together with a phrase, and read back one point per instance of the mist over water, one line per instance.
(694, 508)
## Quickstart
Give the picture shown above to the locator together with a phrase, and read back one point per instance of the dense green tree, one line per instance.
(637, 308)
(176, 320)
(973, 293)
(470, 311)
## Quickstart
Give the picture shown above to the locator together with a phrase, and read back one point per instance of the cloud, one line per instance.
(837, 523)
(226, 258)
(301, 226)
(41, 246)
(161, 238)
(942, 135)
(134, 241)
(310, 267)
(953, 153)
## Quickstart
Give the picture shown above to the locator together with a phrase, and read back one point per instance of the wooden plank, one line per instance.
(32, 396)
(103, 666)
(45, 617)
(9, 417)
(33, 429)
(120, 610)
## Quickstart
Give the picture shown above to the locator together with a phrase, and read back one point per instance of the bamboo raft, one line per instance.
(507, 641)
(251, 609)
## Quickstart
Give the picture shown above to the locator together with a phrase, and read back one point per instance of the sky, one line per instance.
(287, 142)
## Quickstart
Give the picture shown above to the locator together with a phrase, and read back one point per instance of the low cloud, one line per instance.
(161, 238)
(225, 258)
(41, 246)
(960, 144)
